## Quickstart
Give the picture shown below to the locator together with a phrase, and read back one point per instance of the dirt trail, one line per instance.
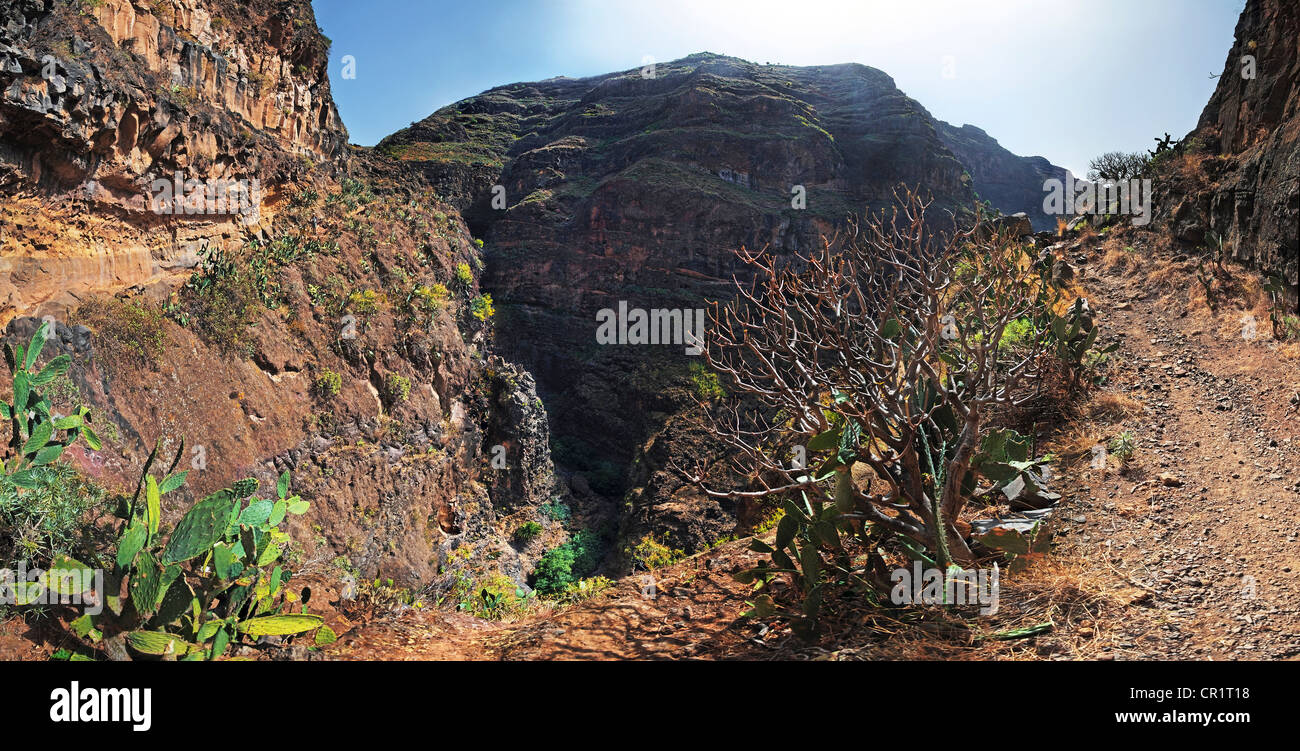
(1212, 545)
(688, 610)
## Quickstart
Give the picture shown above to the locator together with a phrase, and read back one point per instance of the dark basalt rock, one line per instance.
(1249, 139)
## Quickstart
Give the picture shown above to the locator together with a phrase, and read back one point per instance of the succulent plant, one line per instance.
(213, 581)
(35, 430)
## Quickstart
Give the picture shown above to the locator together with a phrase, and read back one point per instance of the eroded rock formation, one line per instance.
(1013, 184)
(98, 100)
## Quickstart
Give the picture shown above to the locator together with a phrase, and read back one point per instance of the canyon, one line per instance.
(559, 199)
(636, 188)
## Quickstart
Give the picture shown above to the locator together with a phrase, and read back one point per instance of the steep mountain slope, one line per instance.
(1238, 175)
(325, 330)
(636, 187)
(1011, 183)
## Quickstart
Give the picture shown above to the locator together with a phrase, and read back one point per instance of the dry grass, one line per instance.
(1191, 167)
(1118, 256)
(1238, 297)
(1069, 592)
(1288, 351)
(1077, 441)
(130, 330)
(1106, 406)
(1171, 275)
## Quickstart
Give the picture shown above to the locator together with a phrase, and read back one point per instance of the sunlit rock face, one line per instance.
(103, 107)
(99, 101)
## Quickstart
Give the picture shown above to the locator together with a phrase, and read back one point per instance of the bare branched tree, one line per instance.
(1114, 166)
(886, 349)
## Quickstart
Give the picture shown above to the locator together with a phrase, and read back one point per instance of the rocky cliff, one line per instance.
(325, 329)
(1013, 184)
(1237, 175)
(102, 98)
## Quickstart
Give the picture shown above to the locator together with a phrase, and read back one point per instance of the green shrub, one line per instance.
(707, 385)
(583, 589)
(397, 388)
(481, 307)
(432, 297)
(650, 554)
(564, 565)
(527, 532)
(305, 198)
(364, 302)
(1017, 333)
(128, 328)
(329, 383)
(223, 299)
(49, 517)
(1122, 447)
(1289, 326)
(495, 598)
(44, 505)
(556, 510)
(226, 316)
(464, 276)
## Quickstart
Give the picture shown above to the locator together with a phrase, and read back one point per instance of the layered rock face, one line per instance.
(101, 99)
(98, 100)
(1013, 184)
(1248, 190)
(636, 188)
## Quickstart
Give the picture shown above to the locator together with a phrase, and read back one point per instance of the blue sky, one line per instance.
(1056, 78)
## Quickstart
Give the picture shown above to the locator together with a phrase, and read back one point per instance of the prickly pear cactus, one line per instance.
(201, 528)
(212, 583)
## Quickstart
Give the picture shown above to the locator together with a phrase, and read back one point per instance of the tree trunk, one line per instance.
(953, 478)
